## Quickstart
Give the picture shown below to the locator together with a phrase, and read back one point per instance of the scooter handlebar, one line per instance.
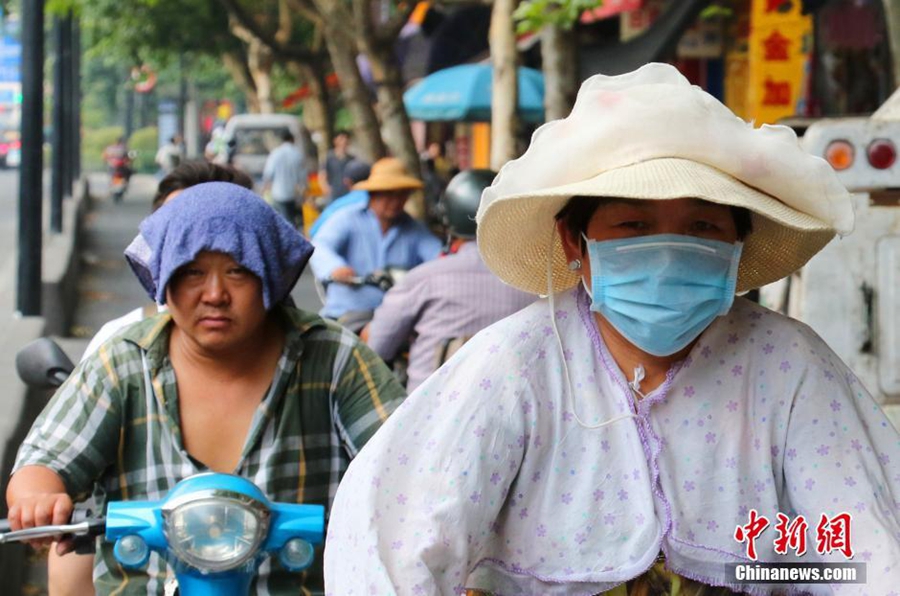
(81, 524)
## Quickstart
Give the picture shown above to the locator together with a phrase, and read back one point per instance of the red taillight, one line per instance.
(15, 145)
(882, 154)
(839, 154)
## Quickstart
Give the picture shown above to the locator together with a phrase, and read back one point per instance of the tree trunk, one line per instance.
(559, 51)
(892, 19)
(342, 50)
(129, 112)
(260, 64)
(240, 73)
(316, 112)
(395, 121)
(505, 92)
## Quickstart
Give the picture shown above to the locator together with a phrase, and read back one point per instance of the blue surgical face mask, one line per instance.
(660, 292)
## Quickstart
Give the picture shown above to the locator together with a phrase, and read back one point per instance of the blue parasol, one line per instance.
(463, 93)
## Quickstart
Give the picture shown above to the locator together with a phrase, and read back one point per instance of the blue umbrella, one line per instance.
(463, 93)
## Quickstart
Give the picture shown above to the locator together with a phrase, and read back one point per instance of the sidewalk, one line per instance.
(107, 289)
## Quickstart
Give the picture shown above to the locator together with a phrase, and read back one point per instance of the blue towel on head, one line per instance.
(220, 217)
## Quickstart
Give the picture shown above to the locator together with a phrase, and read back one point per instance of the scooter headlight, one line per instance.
(216, 532)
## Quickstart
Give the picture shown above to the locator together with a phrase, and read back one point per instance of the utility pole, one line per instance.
(28, 289)
(75, 89)
(58, 174)
(65, 55)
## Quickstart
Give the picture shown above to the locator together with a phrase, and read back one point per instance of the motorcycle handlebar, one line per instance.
(82, 523)
(379, 279)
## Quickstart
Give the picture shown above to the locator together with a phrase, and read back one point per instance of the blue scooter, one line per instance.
(214, 530)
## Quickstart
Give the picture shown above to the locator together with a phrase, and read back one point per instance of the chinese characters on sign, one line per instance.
(777, 93)
(779, 51)
(776, 47)
(832, 534)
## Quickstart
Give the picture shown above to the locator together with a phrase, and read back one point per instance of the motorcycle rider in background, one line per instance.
(364, 238)
(118, 162)
(446, 301)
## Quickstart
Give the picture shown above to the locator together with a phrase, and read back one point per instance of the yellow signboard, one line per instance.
(779, 50)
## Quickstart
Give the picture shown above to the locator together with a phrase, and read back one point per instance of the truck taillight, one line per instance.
(882, 154)
(839, 154)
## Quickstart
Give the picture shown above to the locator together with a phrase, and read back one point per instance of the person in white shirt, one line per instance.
(170, 155)
(284, 176)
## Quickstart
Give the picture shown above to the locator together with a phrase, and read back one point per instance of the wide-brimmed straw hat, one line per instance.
(389, 174)
(650, 134)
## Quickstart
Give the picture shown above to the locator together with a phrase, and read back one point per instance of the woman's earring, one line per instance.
(575, 265)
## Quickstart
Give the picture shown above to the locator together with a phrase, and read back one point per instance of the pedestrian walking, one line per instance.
(170, 155)
(332, 174)
(284, 177)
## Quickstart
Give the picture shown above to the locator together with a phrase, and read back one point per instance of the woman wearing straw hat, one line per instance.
(624, 432)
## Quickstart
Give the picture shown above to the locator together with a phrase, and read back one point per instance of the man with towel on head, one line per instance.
(229, 379)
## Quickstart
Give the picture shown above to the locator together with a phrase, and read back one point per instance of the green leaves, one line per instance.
(717, 11)
(532, 15)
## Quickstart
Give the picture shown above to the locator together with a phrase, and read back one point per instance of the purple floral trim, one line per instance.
(647, 432)
(709, 581)
(512, 570)
(741, 588)
(615, 375)
(644, 428)
(709, 548)
(643, 408)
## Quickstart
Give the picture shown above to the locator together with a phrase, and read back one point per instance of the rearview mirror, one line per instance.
(43, 364)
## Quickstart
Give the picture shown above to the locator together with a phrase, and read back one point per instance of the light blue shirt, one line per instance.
(354, 197)
(284, 170)
(353, 238)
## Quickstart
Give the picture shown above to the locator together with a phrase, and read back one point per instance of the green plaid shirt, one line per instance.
(108, 432)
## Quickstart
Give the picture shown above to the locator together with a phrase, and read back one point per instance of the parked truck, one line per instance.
(850, 292)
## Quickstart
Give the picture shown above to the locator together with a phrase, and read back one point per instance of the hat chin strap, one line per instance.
(586, 288)
(562, 355)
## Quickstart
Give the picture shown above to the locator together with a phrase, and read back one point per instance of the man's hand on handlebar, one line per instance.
(343, 274)
(37, 497)
(42, 509)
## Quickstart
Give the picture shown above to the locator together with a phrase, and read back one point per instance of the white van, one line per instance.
(850, 292)
(250, 138)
